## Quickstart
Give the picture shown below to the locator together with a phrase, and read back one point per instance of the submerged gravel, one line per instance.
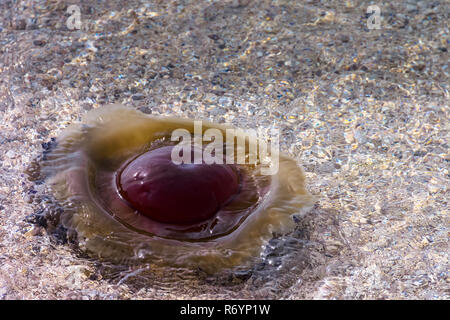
(365, 112)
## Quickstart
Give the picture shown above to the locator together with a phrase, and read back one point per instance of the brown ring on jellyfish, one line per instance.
(129, 202)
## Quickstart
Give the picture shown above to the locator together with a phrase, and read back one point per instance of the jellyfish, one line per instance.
(131, 193)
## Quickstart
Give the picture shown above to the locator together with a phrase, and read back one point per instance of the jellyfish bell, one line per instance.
(127, 201)
(176, 193)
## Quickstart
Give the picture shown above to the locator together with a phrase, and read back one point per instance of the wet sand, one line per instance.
(363, 111)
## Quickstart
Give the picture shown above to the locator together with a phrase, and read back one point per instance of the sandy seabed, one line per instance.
(364, 111)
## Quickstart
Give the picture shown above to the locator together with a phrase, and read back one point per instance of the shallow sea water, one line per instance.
(364, 112)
